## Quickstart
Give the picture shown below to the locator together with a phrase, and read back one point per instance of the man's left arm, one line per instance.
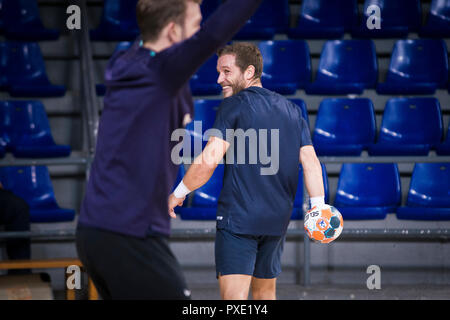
(199, 172)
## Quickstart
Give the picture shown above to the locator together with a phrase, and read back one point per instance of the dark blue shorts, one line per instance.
(258, 256)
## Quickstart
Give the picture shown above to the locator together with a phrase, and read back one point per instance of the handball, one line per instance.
(323, 223)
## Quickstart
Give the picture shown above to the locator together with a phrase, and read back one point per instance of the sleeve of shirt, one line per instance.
(305, 133)
(185, 58)
(226, 117)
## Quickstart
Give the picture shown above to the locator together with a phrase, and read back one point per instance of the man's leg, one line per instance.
(234, 286)
(264, 289)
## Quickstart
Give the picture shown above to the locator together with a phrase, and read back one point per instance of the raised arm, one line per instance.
(186, 57)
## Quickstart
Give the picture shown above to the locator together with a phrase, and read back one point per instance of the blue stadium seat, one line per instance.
(25, 72)
(325, 19)
(31, 135)
(118, 22)
(4, 49)
(302, 105)
(398, 18)
(368, 191)
(344, 127)
(287, 65)
(21, 21)
(100, 88)
(6, 108)
(438, 20)
(429, 193)
(410, 126)
(297, 213)
(271, 17)
(204, 81)
(33, 184)
(443, 149)
(345, 66)
(424, 71)
(204, 111)
(203, 201)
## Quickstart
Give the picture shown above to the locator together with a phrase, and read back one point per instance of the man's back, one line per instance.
(261, 172)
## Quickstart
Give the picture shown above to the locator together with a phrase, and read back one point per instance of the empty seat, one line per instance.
(4, 49)
(25, 72)
(423, 71)
(118, 22)
(438, 20)
(443, 149)
(204, 117)
(287, 65)
(345, 66)
(429, 193)
(302, 105)
(26, 131)
(204, 81)
(325, 19)
(121, 46)
(297, 213)
(203, 201)
(21, 21)
(271, 17)
(368, 191)
(33, 184)
(397, 19)
(344, 127)
(410, 126)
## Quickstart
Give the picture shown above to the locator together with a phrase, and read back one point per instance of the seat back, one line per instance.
(368, 185)
(352, 61)
(204, 81)
(329, 13)
(411, 121)
(286, 61)
(430, 185)
(419, 60)
(4, 57)
(120, 12)
(5, 123)
(21, 12)
(345, 121)
(440, 9)
(270, 13)
(399, 13)
(28, 67)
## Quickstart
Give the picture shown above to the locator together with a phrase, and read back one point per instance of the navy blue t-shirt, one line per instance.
(261, 175)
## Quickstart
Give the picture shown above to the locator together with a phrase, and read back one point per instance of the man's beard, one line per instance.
(237, 87)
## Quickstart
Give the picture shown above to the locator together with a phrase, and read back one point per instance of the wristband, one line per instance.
(317, 201)
(181, 191)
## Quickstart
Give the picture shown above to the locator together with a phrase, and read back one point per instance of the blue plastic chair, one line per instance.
(410, 126)
(22, 21)
(297, 213)
(100, 88)
(118, 22)
(345, 66)
(443, 149)
(344, 127)
(368, 191)
(4, 54)
(6, 121)
(270, 18)
(26, 74)
(438, 20)
(423, 71)
(325, 19)
(31, 135)
(33, 184)
(204, 111)
(204, 81)
(302, 105)
(287, 65)
(429, 193)
(398, 18)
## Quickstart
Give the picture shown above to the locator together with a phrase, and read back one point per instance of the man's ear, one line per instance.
(250, 72)
(174, 32)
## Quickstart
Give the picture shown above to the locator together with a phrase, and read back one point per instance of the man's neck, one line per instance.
(158, 45)
(255, 83)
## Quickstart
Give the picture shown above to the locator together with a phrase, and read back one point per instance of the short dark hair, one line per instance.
(153, 15)
(247, 54)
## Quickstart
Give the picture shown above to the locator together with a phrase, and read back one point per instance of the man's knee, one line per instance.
(264, 294)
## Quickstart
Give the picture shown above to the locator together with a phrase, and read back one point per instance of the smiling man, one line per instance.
(254, 209)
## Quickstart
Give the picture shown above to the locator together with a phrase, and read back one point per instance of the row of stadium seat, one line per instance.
(346, 127)
(364, 192)
(25, 131)
(345, 67)
(324, 19)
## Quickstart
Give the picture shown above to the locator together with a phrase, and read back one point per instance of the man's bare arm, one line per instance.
(312, 172)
